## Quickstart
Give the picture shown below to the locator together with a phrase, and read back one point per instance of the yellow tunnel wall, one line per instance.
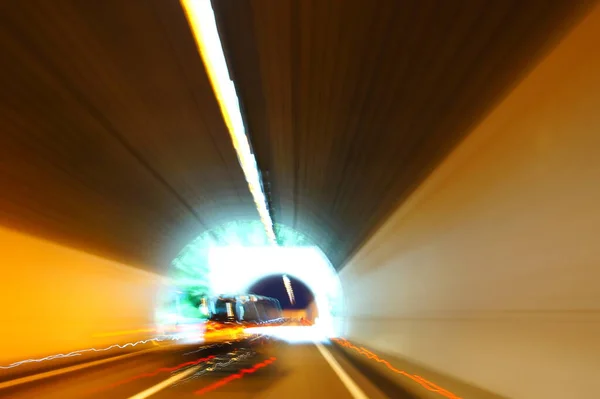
(56, 299)
(490, 272)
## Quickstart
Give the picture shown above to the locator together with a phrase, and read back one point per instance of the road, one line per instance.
(278, 370)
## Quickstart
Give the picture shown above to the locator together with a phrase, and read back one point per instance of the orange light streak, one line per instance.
(430, 386)
(138, 331)
(161, 330)
(235, 376)
(215, 332)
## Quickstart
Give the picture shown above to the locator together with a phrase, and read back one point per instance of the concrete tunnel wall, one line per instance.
(490, 271)
(57, 299)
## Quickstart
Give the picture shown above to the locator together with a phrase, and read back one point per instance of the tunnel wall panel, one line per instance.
(489, 272)
(57, 299)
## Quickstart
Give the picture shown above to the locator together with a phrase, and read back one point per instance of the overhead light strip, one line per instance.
(201, 18)
(288, 286)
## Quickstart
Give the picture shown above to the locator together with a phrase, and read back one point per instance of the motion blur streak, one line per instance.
(236, 376)
(206, 347)
(129, 332)
(50, 288)
(288, 287)
(215, 366)
(201, 18)
(80, 352)
(224, 333)
(160, 370)
(290, 334)
(430, 386)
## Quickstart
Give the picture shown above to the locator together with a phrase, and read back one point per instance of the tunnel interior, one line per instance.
(434, 161)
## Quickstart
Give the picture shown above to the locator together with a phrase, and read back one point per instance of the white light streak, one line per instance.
(82, 351)
(291, 334)
(289, 289)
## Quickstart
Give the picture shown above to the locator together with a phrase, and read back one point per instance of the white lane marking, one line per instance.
(166, 383)
(352, 387)
(54, 373)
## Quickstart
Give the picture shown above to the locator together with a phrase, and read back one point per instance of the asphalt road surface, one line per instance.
(276, 370)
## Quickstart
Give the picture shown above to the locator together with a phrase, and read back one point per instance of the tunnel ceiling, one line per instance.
(350, 104)
(112, 140)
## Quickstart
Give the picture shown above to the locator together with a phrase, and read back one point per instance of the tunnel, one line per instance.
(296, 298)
(273, 286)
(426, 171)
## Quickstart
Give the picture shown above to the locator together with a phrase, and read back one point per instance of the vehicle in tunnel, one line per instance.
(231, 315)
(244, 309)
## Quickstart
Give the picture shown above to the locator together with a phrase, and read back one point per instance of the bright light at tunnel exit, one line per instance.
(202, 21)
(235, 270)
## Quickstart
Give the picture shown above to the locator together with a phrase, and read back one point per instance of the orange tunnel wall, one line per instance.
(491, 271)
(56, 299)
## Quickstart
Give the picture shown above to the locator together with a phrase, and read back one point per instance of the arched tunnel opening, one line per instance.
(237, 259)
(296, 298)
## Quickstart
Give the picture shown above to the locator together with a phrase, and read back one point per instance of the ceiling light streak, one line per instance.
(288, 287)
(202, 21)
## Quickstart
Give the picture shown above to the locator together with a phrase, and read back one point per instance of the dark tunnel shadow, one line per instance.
(273, 286)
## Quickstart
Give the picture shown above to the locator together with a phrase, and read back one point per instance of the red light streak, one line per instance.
(430, 386)
(235, 376)
(160, 370)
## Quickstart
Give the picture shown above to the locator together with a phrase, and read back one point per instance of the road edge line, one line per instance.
(164, 384)
(351, 386)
